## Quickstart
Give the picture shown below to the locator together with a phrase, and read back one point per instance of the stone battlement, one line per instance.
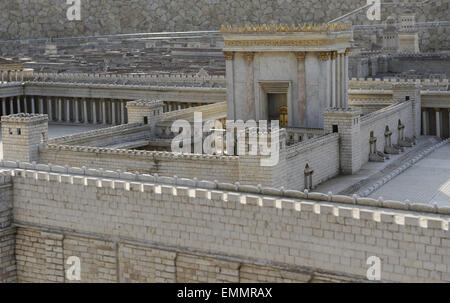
(94, 133)
(172, 79)
(145, 103)
(396, 212)
(136, 153)
(25, 118)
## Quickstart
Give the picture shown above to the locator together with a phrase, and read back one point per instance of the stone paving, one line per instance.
(372, 171)
(428, 181)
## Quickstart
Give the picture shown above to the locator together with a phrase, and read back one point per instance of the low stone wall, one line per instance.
(106, 136)
(377, 122)
(322, 156)
(216, 235)
(163, 163)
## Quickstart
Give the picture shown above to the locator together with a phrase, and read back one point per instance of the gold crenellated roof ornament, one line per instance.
(273, 28)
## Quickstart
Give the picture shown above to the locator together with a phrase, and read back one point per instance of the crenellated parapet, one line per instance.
(404, 212)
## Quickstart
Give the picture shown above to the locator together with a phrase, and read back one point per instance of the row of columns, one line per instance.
(11, 75)
(337, 92)
(173, 106)
(436, 121)
(69, 110)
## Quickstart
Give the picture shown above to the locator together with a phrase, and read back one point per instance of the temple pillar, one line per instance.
(77, 116)
(50, 109)
(345, 80)
(18, 104)
(103, 110)
(438, 122)
(249, 56)
(41, 105)
(33, 106)
(338, 81)
(122, 112)
(67, 110)
(113, 112)
(11, 105)
(59, 110)
(425, 123)
(85, 112)
(3, 106)
(302, 105)
(25, 105)
(94, 112)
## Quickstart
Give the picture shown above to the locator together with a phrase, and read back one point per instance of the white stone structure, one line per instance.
(301, 68)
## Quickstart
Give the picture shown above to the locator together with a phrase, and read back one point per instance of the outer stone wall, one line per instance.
(7, 233)
(238, 237)
(21, 19)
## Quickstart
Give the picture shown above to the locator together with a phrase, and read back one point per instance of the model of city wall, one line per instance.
(47, 18)
(137, 231)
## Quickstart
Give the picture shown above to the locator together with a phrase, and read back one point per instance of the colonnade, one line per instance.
(68, 110)
(77, 110)
(337, 88)
(11, 75)
(170, 106)
(436, 122)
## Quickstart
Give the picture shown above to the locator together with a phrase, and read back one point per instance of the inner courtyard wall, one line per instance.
(377, 122)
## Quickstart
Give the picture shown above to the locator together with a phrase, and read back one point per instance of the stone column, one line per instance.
(301, 74)
(122, 112)
(345, 63)
(425, 122)
(113, 112)
(59, 110)
(67, 110)
(338, 81)
(3, 106)
(85, 112)
(41, 105)
(342, 80)
(18, 104)
(50, 109)
(94, 112)
(33, 106)
(438, 122)
(103, 110)
(333, 79)
(25, 105)
(449, 122)
(11, 105)
(231, 111)
(249, 56)
(77, 116)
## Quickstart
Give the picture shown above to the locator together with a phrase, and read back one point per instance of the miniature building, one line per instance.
(22, 134)
(301, 68)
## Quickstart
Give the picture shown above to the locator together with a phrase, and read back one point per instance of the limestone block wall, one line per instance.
(322, 156)
(246, 234)
(106, 136)
(7, 232)
(377, 122)
(163, 163)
